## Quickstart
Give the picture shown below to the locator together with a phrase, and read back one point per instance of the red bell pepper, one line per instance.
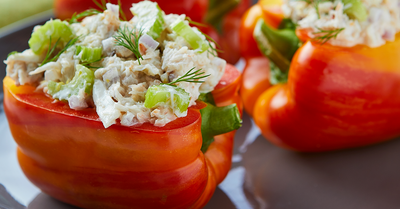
(221, 17)
(69, 155)
(335, 97)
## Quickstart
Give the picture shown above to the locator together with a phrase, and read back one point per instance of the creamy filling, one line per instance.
(381, 24)
(120, 81)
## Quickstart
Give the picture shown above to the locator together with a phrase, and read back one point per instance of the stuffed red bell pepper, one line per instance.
(335, 74)
(123, 114)
(221, 17)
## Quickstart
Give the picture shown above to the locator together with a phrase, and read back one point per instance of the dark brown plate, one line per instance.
(262, 175)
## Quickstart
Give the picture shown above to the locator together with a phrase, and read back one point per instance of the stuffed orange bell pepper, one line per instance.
(336, 75)
(100, 123)
(221, 18)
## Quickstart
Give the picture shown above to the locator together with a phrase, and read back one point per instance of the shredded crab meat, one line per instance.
(381, 25)
(121, 82)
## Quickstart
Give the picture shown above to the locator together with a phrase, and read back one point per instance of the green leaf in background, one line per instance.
(276, 75)
(14, 10)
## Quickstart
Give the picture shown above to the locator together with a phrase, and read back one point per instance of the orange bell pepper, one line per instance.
(256, 72)
(69, 155)
(335, 97)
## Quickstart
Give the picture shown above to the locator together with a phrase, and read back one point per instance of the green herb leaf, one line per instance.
(101, 5)
(124, 38)
(50, 50)
(76, 17)
(123, 16)
(190, 76)
(323, 36)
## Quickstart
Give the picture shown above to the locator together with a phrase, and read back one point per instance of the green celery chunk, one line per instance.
(356, 11)
(195, 40)
(89, 54)
(173, 96)
(151, 20)
(56, 29)
(83, 80)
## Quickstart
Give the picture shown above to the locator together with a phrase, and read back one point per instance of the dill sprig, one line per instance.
(324, 36)
(123, 16)
(213, 50)
(102, 6)
(315, 4)
(190, 76)
(75, 17)
(195, 23)
(51, 50)
(124, 38)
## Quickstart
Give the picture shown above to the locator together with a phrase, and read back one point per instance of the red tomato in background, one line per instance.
(228, 39)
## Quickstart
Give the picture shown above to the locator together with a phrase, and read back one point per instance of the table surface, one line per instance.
(262, 175)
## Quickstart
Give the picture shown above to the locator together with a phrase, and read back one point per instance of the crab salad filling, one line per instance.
(350, 22)
(149, 69)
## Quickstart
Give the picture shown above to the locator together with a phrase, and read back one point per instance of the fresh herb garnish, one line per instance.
(102, 6)
(75, 17)
(316, 5)
(324, 36)
(195, 23)
(123, 16)
(190, 76)
(51, 49)
(124, 38)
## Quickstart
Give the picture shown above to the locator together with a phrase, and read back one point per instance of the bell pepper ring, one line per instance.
(69, 155)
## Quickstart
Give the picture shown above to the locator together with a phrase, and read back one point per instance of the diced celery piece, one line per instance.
(151, 20)
(195, 40)
(173, 96)
(355, 10)
(89, 54)
(83, 80)
(56, 29)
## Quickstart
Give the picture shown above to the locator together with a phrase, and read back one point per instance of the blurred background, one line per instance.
(13, 10)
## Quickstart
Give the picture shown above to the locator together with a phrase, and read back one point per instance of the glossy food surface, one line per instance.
(335, 98)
